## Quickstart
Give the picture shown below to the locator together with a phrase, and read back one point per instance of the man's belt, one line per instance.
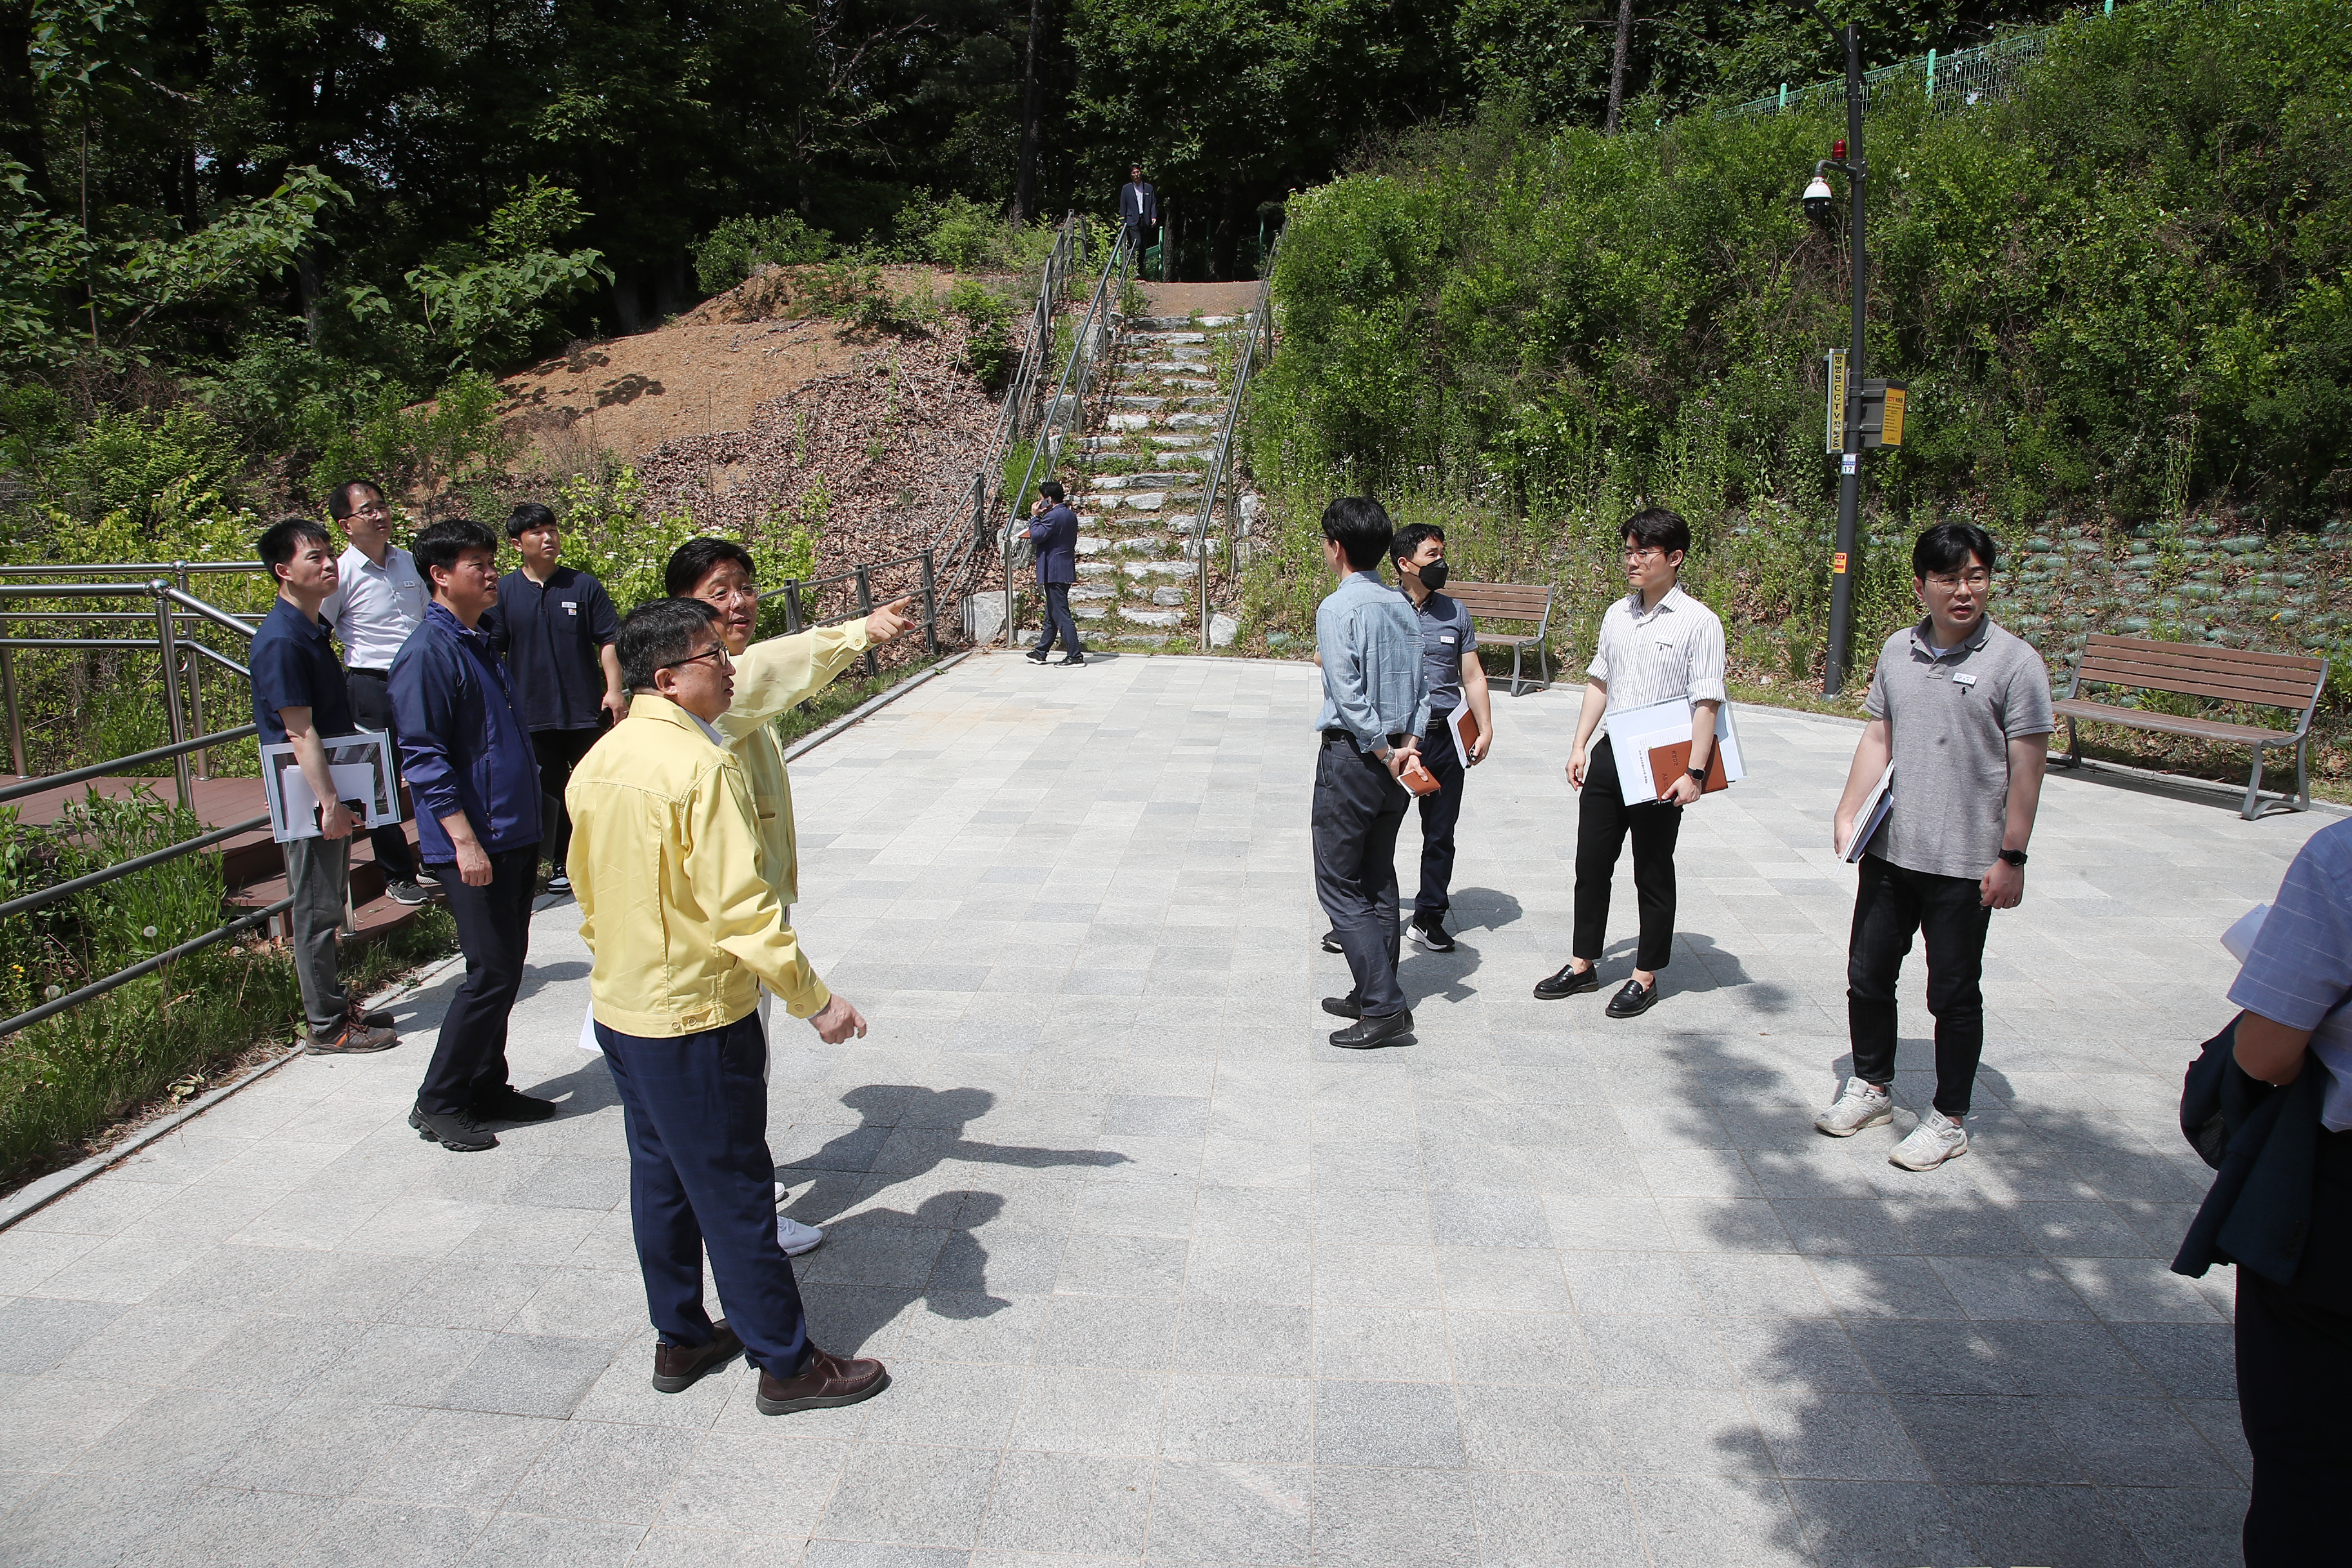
(1333, 737)
(379, 674)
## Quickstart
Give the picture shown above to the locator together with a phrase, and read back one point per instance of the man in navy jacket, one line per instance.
(1054, 536)
(475, 780)
(1138, 207)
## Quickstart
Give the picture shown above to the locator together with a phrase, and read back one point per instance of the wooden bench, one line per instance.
(1508, 602)
(2227, 673)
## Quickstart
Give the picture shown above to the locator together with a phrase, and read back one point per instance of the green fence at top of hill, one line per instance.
(1951, 81)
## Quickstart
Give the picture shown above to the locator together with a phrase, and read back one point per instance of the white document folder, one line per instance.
(1633, 731)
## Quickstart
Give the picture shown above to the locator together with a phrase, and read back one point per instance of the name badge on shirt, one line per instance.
(571, 608)
(1445, 637)
(1964, 678)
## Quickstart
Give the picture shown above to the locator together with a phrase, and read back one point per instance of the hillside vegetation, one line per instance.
(2118, 300)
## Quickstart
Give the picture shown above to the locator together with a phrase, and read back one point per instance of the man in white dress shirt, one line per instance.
(380, 601)
(1657, 643)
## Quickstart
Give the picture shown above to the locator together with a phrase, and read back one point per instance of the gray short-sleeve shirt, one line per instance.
(1951, 720)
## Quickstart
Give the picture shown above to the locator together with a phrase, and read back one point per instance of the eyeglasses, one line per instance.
(747, 592)
(716, 652)
(1979, 580)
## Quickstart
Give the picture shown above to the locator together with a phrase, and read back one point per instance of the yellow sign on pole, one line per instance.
(1836, 442)
(1891, 433)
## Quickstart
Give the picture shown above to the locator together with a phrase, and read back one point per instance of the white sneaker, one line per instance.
(795, 1237)
(1936, 1139)
(779, 1194)
(1862, 1105)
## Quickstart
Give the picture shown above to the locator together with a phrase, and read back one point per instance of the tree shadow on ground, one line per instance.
(1985, 1363)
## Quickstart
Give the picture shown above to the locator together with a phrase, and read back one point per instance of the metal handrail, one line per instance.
(863, 577)
(1048, 445)
(138, 568)
(145, 966)
(1261, 323)
(98, 879)
(1052, 282)
(24, 787)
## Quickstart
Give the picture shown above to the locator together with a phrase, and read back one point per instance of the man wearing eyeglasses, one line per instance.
(770, 679)
(378, 601)
(1656, 644)
(1962, 710)
(475, 780)
(687, 932)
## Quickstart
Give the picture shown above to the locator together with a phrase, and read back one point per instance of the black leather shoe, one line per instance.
(1634, 1000)
(1366, 1033)
(1343, 1006)
(513, 1105)
(1568, 982)
(1331, 943)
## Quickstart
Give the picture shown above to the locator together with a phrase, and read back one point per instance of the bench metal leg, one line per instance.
(1516, 651)
(2302, 776)
(1543, 664)
(2074, 747)
(2254, 789)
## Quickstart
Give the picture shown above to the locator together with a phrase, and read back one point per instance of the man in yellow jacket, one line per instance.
(772, 678)
(682, 919)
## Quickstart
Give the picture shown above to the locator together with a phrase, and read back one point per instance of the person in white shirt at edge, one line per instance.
(771, 676)
(1962, 710)
(381, 600)
(1656, 643)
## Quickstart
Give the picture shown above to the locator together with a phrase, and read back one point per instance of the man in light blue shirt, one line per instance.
(1375, 708)
(2294, 1337)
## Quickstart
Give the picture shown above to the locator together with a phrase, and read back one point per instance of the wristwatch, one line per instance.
(1698, 777)
(2014, 856)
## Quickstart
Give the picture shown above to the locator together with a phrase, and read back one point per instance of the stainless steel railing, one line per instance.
(1261, 325)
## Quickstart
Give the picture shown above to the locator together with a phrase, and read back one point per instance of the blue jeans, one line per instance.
(700, 1176)
(1058, 622)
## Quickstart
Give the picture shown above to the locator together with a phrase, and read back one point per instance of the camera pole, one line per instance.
(1849, 461)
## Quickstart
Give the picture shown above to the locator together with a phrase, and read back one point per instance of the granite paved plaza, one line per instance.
(1160, 1275)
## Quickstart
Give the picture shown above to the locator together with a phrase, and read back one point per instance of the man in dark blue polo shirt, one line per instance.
(298, 696)
(1449, 655)
(475, 783)
(556, 629)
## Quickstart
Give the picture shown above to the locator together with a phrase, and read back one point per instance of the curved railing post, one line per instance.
(167, 643)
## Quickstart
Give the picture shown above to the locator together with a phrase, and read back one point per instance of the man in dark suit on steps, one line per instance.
(1054, 536)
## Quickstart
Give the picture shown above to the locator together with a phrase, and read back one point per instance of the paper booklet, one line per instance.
(1463, 725)
(1634, 732)
(2239, 938)
(1872, 816)
(358, 764)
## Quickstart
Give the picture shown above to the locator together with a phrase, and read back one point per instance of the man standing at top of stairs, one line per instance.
(1138, 207)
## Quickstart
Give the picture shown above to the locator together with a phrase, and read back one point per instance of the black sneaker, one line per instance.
(460, 1135)
(1430, 934)
(557, 882)
(513, 1105)
(1331, 943)
(402, 892)
(1034, 657)
(1073, 659)
(425, 878)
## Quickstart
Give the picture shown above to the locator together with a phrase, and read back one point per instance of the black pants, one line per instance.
(1358, 809)
(2294, 1381)
(700, 1176)
(494, 931)
(1603, 822)
(1058, 622)
(560, 751)
(1891, 903)
(1439, 813)
(372, 706)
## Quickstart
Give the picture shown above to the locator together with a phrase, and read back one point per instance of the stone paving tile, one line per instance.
(1163, 1279)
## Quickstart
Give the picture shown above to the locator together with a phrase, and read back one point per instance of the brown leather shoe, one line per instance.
(827, 1381)
(678, 1368)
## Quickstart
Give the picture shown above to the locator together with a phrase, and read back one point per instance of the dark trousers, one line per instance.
(560, 751)
(695, 1111)
(1057, 620)
(1891, 903)
(494, 931)
(372, 706)
(2294, 1380)
(1439, 813)
(1358, 810)
(1603, 822)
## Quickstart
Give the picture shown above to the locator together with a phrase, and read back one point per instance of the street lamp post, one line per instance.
(1847, 159)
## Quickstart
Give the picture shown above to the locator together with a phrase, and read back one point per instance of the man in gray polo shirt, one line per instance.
(1962, 710)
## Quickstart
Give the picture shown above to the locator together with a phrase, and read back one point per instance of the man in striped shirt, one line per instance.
(1657, 643)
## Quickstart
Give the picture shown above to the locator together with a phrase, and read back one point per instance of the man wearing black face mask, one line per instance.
(1450, 659)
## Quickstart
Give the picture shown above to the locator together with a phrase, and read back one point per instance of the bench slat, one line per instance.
(2301, 673)
(2137, 719)
(2218, 685)
(2228, 674)
(2304, 662)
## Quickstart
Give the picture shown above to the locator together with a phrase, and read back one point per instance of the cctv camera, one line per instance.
(1817, 199)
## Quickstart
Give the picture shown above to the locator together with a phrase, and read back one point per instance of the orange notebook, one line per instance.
(1421, 781)
(1670, 763)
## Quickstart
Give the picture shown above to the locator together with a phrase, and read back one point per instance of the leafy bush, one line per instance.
(987, 318)
(729, 253)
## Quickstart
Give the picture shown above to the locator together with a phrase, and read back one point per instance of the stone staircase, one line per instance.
(1137, 478)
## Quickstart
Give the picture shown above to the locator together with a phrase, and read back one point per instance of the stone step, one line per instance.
(1169, 335)
(1158, 402)
(1144, 481)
